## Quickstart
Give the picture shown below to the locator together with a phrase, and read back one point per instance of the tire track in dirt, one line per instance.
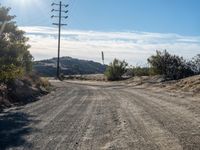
(105, 129)
(60, 123)
(125, 138)
(81, 125)
(146, 133)
(183, 127)
(45, 119)
(190, 104)
(49, 101)
(40, 114)
(178, 110)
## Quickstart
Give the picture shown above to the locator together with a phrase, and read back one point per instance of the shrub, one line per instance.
(170, 66)
(116, 69)
(194, 64)
(140, 71)
(43, 82)
(34, 79)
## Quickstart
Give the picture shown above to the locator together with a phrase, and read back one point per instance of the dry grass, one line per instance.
(191, 84)
(23, 90)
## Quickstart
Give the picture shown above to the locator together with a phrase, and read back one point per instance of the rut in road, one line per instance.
(107, 117)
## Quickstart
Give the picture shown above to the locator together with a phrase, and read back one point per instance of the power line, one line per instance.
(62, 9)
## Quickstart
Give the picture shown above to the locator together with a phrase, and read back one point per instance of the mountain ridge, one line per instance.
(68, 65)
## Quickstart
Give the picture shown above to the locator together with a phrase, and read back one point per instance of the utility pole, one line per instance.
(59, 24)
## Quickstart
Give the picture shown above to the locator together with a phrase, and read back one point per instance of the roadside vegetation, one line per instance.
(116, 69)
(171, 67)
(17, 81)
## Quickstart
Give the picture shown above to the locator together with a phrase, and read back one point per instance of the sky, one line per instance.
(124, 29)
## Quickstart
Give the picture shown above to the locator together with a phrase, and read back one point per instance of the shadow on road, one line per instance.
(13, 126)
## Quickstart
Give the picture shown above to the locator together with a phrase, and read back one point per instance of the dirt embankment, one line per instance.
(22, 91)
(189, 85)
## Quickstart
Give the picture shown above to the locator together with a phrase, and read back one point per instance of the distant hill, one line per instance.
(69, 66)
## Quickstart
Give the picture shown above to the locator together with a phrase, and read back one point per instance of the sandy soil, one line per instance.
(95, 115)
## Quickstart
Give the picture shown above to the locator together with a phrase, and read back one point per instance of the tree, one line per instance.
(15, 59)
(170, 66)
(116, 69)
(195, 64)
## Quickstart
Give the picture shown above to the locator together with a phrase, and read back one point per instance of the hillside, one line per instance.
(69, 66)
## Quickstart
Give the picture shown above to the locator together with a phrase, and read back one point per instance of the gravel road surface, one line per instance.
(103, 116)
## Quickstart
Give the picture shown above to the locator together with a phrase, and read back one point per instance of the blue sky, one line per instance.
(165, 16)
(171, 24)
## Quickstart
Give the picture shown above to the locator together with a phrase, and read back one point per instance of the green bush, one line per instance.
(140, 71)
(170, 66)
(115, 70)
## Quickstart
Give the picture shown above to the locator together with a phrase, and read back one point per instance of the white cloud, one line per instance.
(134, 47)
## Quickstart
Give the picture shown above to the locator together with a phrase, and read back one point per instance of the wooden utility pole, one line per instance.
(59, 24)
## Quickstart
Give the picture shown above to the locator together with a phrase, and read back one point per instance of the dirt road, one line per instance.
(104, 116)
